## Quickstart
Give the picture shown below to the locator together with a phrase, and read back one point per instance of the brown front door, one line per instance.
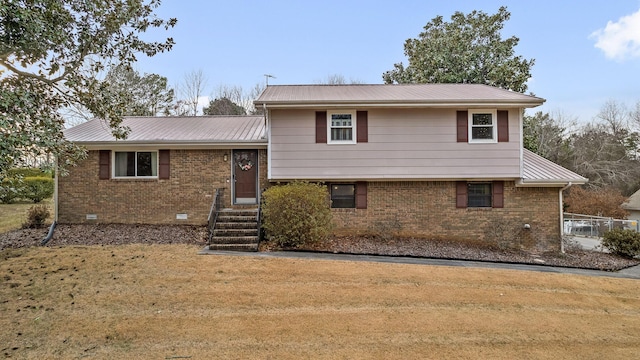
(245, 174)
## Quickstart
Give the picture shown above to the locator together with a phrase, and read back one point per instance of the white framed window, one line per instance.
(341, 127)
(138, 164)
(483, 127)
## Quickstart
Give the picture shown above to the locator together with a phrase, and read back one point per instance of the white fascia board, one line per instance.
(456, 105)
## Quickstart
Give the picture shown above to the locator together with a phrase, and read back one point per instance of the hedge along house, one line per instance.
(433, 160)
(166, 172)
(443, 161)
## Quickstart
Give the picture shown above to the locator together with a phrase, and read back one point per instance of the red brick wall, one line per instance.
(195, 174)
(428, 209)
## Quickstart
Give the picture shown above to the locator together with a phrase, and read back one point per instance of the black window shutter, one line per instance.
(321, 127)
(362, 126)
(503, 126)
(461, 194)
(497, 192)
(104, 167)
(462, 125)
(164, 168)
(361, 195)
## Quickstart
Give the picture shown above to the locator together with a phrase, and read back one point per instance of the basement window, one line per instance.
(343, 196)
(479, 195)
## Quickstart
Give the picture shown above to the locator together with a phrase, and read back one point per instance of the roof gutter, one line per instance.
(549, 183)
(93, 145)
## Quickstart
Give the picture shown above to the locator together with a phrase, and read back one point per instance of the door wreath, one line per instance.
(244, 163)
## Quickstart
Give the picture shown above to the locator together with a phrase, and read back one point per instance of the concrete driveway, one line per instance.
(588, 243)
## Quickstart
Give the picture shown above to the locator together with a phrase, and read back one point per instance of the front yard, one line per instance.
(165, 302)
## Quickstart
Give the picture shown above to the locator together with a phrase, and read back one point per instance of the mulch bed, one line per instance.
(117, 234)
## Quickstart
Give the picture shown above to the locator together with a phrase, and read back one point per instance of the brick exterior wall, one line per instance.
(428, 209)
(195, 174)
(406, 208)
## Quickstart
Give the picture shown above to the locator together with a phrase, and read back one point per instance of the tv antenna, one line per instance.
(267, 76)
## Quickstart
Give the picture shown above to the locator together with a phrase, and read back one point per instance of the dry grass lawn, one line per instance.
(12, 216)
(166, 302)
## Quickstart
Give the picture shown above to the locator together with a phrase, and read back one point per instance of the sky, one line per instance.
(586, 52)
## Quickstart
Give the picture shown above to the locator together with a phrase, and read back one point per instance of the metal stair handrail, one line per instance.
(213, 214)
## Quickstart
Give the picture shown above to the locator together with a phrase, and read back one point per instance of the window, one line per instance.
(479, 195)
(136, 164)
(342, 127)
(343, 195)
(482, 126)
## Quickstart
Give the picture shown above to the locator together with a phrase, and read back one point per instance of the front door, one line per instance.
(245, 175)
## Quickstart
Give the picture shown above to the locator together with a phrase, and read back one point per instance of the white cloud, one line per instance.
(620, 40)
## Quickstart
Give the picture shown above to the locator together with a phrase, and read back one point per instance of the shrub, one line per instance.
(9, 190)
(504, 234)
(37, 189)
(28, 172)
(598, 202)
(623, 242)
(37, 215)
(296, 214)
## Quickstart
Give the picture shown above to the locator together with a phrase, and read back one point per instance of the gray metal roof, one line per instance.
(538, 170)
(185, 130)
(394, 95)
(633, 202)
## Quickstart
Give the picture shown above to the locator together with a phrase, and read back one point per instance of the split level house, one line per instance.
(439, 161)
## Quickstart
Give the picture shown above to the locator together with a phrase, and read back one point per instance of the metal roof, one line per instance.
(633, 202)
(538, 171)
(393, 95)
(179, 130)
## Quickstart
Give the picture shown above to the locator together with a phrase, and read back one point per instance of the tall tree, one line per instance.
(143, 95)
(547, 136)
(616, 116)
(190, 91)
(337, 79)
(223, 106)
(254, 93)
(469, 49)
(604, 157)
(52, 51)
(635, 114)
(239, 97)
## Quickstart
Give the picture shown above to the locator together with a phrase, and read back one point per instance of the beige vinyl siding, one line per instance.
(403, 144)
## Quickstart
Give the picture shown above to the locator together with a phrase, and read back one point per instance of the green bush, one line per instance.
(9, 191)
(28, 172)
(37, 189)
(622, 242)
(297, 213)
(37, 215)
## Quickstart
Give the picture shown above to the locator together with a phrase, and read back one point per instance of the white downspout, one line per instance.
(268, 131)
(55, 192)
(562, 217)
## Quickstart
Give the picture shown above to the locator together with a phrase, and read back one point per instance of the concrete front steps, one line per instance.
(236, 230)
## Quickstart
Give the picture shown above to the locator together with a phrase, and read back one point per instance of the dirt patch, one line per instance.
(118, 234)
(106, 234)
(415, 247)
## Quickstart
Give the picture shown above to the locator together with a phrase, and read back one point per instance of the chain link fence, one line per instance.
(594, 226)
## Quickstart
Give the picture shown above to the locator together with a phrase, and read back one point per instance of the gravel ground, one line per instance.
(112, 234)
